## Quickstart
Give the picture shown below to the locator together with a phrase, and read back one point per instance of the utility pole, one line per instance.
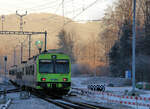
(94, 48)
(3, 19)
(73, 7)
(21, 29)
(14, 56)
(5, 65)
(29, 46)
(83, 5)
(63, 11)
(147, 17)
(21, 51)
(21, 19)
(45, 41)
(133, 46)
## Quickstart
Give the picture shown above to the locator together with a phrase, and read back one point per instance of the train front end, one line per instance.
(54, 73)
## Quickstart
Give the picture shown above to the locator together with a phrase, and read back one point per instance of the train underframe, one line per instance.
(53, 88)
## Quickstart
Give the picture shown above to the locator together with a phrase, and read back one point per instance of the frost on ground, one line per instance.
(31, 103)
(93, 101)
(121, 85)
(117, 82)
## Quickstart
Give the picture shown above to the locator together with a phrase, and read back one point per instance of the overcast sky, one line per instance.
(71, 7)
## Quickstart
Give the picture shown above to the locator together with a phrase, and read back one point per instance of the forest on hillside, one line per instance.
(97, 48)
(114, 56)
(120, 54)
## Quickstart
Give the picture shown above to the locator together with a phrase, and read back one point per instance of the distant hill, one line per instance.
(42, 22)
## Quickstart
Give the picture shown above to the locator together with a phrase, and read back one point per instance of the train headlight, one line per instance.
(65, 79)
(43, 79)
(54, 57)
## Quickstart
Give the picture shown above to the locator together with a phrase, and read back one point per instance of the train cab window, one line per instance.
(62, 66)
(46, 66)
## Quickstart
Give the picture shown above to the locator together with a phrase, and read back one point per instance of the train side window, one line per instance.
(27, 70)
(10, 72)
(32, 69)
(13, 72)
(22, 71)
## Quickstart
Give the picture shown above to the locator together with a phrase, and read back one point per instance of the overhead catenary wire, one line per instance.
(47, 6)
(42, 8)
(90, 5)
(72, 17)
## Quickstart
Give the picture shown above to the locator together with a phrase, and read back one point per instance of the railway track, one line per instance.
(85, 105)
(10, 91)
(65, 103)
(55, 102)
(60, 102)
(80, 105)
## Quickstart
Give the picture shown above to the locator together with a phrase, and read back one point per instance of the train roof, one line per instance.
(59, 51)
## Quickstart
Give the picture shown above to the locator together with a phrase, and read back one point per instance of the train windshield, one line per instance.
(62, 66)
(46, 66)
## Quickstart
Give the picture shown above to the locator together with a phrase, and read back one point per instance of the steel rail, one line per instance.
(85, 105)
(60, 104)
(9, 91)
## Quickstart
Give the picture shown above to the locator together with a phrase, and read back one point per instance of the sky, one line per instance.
(71, 7)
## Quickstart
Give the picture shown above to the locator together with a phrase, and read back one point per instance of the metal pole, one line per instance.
(21, 51)
(45, 40)
(133, 46)
(21, 19)
(29, 46)
(5, 70)
(5, 62)
(21, 23)
(3, 18)
(63, 11)
(14, 56)
(2, 25)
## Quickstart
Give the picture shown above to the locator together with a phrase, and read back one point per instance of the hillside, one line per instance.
(42, 22)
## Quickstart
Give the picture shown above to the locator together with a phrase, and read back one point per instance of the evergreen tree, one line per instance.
(121, 52)
(114, 59)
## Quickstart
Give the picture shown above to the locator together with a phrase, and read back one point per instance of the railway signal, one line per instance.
(29, 33)
(5, 64)
(39, 45)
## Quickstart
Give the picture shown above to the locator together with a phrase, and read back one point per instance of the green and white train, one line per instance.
(50, 71)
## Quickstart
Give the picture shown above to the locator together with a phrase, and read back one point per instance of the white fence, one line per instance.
(134, 101)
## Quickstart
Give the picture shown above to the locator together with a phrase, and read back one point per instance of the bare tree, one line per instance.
(66, 43)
